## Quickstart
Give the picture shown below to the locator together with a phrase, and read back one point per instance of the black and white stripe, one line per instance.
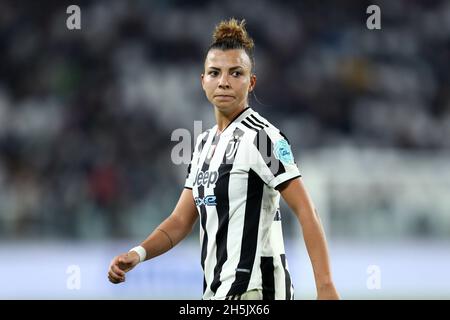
(241, 239)
(250, 234)
(202, 210)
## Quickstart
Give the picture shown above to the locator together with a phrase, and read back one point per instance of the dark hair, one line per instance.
(231, 34)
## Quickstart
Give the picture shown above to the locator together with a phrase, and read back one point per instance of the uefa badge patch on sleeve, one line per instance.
(283, 152)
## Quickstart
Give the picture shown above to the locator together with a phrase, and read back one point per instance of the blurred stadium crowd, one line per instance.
(86, 116)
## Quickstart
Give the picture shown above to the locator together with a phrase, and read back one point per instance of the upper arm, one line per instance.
(185, 211)
(272, 157)
(296, 196)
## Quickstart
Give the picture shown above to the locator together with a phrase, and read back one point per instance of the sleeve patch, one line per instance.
(283, 152)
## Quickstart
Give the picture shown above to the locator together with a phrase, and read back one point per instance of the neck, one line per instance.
(223, 119)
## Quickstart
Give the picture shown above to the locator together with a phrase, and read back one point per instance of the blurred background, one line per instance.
(86, 118)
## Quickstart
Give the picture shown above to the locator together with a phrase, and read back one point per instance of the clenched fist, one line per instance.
(122, 264)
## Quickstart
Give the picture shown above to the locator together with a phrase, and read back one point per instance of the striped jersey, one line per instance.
(234, 177)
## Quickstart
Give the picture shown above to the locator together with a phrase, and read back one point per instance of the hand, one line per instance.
(327, 292)
(120, 265)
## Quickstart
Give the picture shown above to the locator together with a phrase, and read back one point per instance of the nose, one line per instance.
(223, 82)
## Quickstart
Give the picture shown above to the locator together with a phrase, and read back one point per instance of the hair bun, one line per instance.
(233, 30)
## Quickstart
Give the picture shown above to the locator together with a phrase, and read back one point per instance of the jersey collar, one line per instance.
(238, 118)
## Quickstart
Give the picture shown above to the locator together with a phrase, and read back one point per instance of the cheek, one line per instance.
(244, 86)
(208, 85)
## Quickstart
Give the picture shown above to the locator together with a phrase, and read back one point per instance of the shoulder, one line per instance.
(259, 127)
(204, 135)
(202, 138)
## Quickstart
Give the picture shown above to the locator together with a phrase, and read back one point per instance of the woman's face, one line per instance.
(227, 79)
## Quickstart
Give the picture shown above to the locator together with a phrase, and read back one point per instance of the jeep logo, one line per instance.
(207, 178)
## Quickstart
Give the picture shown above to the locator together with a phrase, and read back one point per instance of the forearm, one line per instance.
(298, 199)
(167, 235)
(317, 249)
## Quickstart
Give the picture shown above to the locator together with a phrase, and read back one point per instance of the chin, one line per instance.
(223, 106)
(226, 106)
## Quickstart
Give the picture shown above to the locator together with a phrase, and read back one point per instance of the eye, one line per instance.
(236, 74)
(213, 73)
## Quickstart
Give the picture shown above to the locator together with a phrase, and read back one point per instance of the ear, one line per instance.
(201, 80)
(252, 83)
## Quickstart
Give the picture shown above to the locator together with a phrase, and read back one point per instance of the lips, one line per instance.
(223, 96)
(223, 99)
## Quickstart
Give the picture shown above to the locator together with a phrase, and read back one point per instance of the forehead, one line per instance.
(227, 58)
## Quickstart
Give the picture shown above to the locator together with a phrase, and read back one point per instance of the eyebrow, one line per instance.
(232, 68)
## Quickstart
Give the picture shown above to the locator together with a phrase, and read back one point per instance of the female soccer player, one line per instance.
(238, 170)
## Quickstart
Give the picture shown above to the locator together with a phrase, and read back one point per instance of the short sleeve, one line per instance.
(274, 161)
(189, 177)
(192, 168)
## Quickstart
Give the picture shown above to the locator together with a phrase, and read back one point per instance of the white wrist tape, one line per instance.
(140, 251)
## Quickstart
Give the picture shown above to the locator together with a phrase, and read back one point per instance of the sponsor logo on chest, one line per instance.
(206, 178)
